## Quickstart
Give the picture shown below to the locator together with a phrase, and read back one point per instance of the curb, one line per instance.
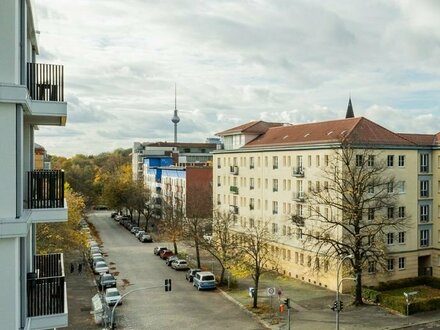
(406, 326)
(239, 304)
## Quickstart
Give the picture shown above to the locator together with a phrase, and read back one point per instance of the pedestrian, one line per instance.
(72, 268)
(80, 266)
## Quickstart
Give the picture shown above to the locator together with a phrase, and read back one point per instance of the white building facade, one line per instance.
(33, 287)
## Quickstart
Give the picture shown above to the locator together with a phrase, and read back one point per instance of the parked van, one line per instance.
(204, 280)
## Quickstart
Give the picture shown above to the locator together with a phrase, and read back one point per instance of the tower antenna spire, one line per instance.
(175, 118)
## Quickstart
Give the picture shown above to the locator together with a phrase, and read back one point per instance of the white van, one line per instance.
(204, 280)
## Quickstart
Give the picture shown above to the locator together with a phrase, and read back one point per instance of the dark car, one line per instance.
(170, 259)
(106, 281)
(165, 254)
(191, 273)
(113, 214)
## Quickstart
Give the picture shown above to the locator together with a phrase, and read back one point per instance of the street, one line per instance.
(183, 308)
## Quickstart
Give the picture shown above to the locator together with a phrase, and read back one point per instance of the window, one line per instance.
(401, 237)
(318, 162)
(371, 214)
(274, 207)
(251, 163)
(325, 185)
(424, 237)
(371, 189)
(251, 223)
(359, 160)
(299, 234)
(390, 160)
(274, 228)
(284, 230)
(401, 211)
(402, 263)
(275, 184)
(326, 160)
(370, 160)
(219, 163)
(251, 183)
(371, 267)
(424, 163)
(309, 261)
(401, 187)
(275, 162)
(390, 187)
(251, 203)
(218, 181)
(390, 238)
(424, 213)
(401, 161)
(390, 265)
(390, 212)
(301, 259)
(424, 188)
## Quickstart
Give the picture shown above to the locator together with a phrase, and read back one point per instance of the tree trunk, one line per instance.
(196, 241)
(222, 275)
(175, 246)
(256, 282)
(358, 288)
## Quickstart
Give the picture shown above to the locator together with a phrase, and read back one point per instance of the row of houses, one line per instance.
(264, 172)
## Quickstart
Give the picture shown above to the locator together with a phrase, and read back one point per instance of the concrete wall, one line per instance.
(9, 41)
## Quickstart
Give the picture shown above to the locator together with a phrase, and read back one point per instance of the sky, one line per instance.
(233, 61)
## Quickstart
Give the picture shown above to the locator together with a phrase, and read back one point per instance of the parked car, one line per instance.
(94, 260)
(165, 254)
(190, 273)
(100, 267)
(93, 243)
(95, 249)
(113, 214)
(106, 281)
(170, 259)
(139, 233)
(146, 238)
(204, 280)
(158, 249)
(112, 296)
(180, 264)
(118, 217)
(134, 229)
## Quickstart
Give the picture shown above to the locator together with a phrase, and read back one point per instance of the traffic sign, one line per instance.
(271, 292)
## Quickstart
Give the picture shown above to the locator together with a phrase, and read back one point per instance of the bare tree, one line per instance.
(257, 255)
(353, 212)
(221, 244)
(198, 221)
(172, 223)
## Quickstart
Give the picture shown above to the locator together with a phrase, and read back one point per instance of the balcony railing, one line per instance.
(45, 82)
(297, 220)
(233, 170)
(233, 189)
(298, 171)
(46, 286)
(233, 209)
(45, 189)
(298, 196)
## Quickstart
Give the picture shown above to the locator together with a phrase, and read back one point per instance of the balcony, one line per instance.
(45, 84)
(234, 190)
(233, 170)
(297, 220)
(298, 172)
(46, 293)
(233, 209)
(298, 196)
(45, 196)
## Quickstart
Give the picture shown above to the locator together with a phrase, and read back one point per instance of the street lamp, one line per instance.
(338, 283)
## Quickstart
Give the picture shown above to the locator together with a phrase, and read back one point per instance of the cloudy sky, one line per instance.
(235, 61)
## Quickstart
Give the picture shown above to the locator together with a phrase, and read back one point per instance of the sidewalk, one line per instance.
(311, 305)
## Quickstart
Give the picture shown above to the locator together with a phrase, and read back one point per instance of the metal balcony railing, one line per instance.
(298, 171)
(233, 189)
(45, 189)
(46, 286)
(45, 82)
(298, 220)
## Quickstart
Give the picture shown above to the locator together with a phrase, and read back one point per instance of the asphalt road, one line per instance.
(182, 308)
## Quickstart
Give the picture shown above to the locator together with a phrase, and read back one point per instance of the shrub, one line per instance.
(371, 295)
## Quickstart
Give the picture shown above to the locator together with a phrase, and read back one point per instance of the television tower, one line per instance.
(175, 118)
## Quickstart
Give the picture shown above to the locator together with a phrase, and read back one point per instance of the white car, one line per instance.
(101, 268)
(179, 264)
(112, 296)
(140, 233)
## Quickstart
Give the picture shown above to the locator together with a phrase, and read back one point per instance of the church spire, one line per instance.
(350, 113)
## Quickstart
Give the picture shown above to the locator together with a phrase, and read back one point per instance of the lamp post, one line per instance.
(350, 256)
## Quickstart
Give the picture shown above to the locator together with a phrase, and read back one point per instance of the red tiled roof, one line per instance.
(420, 139)
(353, 130)
(256, 127)
(181, 145)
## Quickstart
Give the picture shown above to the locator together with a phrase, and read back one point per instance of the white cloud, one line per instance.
(235, 61)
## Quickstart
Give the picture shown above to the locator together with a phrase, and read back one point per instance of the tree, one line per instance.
(352, 214)
(198, 220)
(63, 236)
(221, 244)
(257, 255)
(172, 223)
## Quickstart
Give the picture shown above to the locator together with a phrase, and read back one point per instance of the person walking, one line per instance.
(72, 268)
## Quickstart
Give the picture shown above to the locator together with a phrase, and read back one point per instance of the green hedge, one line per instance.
(371, 295)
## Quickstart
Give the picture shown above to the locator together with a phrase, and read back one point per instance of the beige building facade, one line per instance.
(266, 170)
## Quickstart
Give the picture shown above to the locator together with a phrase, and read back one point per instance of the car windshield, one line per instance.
(101, 264)
(113, 294)
(107, 277)
(208, 278)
